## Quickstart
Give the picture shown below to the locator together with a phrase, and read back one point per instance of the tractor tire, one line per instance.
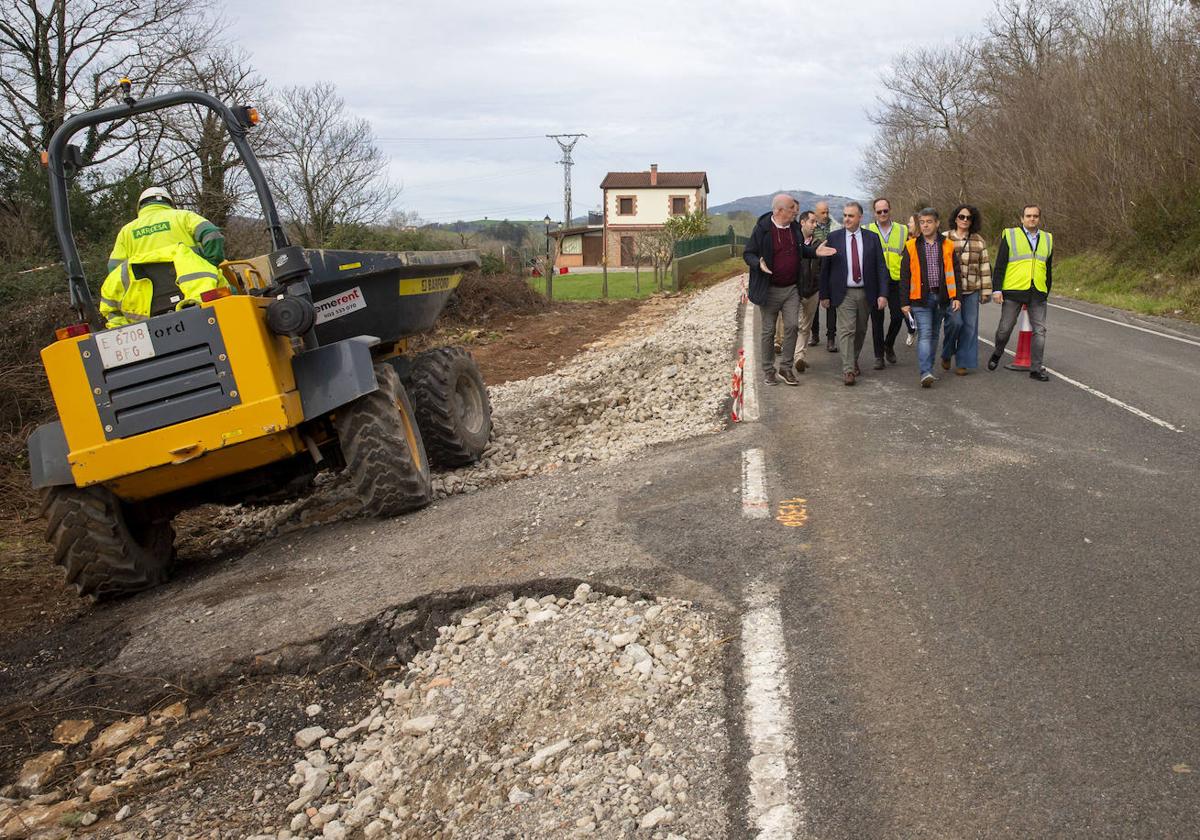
(452, 405)
(381, 443)
(105, 546)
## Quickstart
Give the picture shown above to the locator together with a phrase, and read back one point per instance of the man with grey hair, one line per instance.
(773, 255)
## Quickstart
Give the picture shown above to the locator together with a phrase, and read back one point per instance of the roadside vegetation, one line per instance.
(1089, 110)
(710, 275)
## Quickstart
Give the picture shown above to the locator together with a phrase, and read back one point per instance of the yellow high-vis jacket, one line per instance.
(160, 225)
(125, 297)
(893, 246)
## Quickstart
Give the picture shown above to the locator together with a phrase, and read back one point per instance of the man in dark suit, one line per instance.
(853, 281)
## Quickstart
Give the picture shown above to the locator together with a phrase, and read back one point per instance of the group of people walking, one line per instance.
(928, 281)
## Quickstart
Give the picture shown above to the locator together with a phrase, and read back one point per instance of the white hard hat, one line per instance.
(155, 194)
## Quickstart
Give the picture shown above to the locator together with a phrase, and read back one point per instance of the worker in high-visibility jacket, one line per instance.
(1024, 268)
(893, 236)
(159, 224)
(156, 282)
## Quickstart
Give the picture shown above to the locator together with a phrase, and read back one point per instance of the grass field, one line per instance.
(1096, 278)
(623, 284)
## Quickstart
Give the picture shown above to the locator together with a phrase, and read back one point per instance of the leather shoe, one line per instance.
(890, 355)
(857, 370)
(945, 364)
(1040, 375)
(848, 378)
(993, 361)
(879, 365)
(814, 341)
(960, 371)
(830, 346)
(801, 366)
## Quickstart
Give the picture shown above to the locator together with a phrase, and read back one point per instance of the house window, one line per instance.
(625, 205)
(678, 205)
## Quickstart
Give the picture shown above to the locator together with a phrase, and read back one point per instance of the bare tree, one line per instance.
(932, 95)
(324, 166)
(199, 158)
(1090, 108)
(62, 56)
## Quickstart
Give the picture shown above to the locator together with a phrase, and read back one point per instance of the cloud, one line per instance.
(760, 95)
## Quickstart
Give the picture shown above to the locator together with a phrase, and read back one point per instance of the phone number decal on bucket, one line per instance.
(340, 304)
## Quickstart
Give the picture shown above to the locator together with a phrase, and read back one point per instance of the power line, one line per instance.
(510, 174)
(464, 214)
(455, 139)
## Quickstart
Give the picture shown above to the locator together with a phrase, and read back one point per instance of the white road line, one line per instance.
(1131, 409)
(1129, 326)
(750, 373)
(754, 485)
(776, 809)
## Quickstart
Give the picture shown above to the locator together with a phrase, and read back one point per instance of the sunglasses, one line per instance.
(882, 212)
(964, 217)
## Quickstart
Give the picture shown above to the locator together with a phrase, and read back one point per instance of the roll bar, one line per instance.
(81, 297)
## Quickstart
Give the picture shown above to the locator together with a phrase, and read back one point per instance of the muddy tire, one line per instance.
(452, 405)
(106, 547)
(381, 443)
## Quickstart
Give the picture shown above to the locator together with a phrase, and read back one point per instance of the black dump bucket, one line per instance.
(388, 294)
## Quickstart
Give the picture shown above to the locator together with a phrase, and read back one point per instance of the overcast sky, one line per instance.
(761, 95)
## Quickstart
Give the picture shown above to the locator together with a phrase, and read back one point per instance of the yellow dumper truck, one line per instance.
(299, 365)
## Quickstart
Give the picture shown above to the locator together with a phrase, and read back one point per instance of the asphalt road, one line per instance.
(987, 602)
(991, 610)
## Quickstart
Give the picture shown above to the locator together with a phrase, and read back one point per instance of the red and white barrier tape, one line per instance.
(735, 390)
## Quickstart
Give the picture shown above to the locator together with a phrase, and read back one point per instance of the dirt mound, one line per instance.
(480, 299)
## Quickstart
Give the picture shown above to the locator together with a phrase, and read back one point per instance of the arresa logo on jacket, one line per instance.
(157, 227)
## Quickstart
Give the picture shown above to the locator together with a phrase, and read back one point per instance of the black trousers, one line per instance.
(830, 324)
(878, 339)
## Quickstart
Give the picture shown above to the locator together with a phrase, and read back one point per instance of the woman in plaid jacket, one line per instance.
(974, 287)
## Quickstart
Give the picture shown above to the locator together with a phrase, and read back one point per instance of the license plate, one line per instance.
(124, 345)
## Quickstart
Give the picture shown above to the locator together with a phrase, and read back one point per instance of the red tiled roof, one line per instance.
(631, 180)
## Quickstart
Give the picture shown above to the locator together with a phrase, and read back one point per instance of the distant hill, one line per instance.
(759, 204)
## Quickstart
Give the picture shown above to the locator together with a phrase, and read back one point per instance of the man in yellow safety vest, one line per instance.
(159, 281)
(893, 236)
(159, 224)
(160, 261)
(1024, 265)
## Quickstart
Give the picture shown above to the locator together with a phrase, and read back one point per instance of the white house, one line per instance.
(641, 201)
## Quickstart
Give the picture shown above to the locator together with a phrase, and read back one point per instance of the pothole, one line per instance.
(542, 710)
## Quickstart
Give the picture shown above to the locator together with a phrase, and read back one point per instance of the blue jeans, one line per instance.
(929, 317)
(962, 332)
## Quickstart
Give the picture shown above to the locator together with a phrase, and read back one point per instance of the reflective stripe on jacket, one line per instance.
(159, 226)
(125, 298)
(1026, 266)
(893, 246)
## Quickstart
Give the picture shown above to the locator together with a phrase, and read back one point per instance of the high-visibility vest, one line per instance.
(915, 278)
(893, 246)
(1026, 266)
(159, 226)
(126, 298)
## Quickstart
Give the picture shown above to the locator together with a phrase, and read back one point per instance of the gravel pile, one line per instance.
(593, 716)
(664, 385)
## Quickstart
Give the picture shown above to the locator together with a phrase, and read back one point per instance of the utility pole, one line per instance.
(566, 142)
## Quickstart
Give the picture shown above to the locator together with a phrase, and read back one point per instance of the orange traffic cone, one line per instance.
(1024, 342)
